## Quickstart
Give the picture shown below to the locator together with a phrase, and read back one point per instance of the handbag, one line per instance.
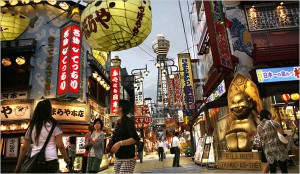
(37, 162)
(280, 136)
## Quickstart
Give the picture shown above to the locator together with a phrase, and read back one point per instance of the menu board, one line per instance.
(12, 147)
(208, 152)
(80, 149)
(199, 150)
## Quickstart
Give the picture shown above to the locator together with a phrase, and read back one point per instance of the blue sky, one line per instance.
(166, 19)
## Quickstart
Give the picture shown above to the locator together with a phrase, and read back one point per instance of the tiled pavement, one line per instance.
(151, 164)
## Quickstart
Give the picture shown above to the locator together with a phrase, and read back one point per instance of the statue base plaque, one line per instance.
(240, 161)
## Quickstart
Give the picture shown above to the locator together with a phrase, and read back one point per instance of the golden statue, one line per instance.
(244, 105)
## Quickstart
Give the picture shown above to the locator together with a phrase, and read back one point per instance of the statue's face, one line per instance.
(241, 105)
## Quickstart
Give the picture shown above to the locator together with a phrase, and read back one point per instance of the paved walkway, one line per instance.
(151, 164)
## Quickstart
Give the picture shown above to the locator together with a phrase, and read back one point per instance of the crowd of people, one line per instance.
(126, 143)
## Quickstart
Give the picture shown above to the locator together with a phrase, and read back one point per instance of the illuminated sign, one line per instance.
(187, 84)
(15, 112)
(68, 82)
(115, 88)
(142, 120)
(217, 34)
(218, 92)
(12, 147)
(165, 91)
(278, 74)
(68, 112)
(139, 93)
(177, 98)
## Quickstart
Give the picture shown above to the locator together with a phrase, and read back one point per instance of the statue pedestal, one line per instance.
(240, 161)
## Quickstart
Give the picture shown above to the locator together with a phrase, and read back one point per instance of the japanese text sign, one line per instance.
(177, 101)
(278, 74)
(218, 92)
(165, 90)
(14, 95)
(139, 93)
(80, 148)
(217, 34)
(12, 148)
(15, 112)
(187, 84)
(70, 113)
(68, 81)
(115, 88)
(143, 120)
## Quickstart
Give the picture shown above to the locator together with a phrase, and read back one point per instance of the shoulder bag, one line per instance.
(37, 162)
(280, 136)
(172, 149)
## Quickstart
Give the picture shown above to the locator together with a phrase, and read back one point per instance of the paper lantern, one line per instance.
(295, 96)
(116, 25)
(13, 24)
(285, 97)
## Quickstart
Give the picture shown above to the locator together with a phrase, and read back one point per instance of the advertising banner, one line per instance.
(187, 84)
(115, 88)
(68, 81)
(70, 113)
(19, 111)
(281, 74)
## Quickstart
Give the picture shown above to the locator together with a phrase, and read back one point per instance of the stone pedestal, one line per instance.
(240, 160)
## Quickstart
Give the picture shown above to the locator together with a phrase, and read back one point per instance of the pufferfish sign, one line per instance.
(114, 25)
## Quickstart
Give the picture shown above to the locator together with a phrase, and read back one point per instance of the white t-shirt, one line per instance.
(50, 151)
(175, 142)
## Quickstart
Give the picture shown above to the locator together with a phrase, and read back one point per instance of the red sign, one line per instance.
(115, 88)
(143, 120)
(68, 81)
(177, 98)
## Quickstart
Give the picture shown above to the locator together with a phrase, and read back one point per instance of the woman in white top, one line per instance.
(37, 133)
(176, 144)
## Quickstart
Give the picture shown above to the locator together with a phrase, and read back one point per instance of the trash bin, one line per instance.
(188, 151)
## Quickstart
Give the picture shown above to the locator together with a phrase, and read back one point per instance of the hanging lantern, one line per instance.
(2, 3)
(216, 110)
(12, 126)
(52, 2)
(13, 24)
(116, 25)
(20, 60)
(6, 61)
(36, 1)
(25, 1)
(3, 127)
(13, 2)
(285, 97)
(295, 96)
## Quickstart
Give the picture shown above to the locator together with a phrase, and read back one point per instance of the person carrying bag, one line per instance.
(37, 161)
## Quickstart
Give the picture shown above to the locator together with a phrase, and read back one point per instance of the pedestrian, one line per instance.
(86, 152)
(125, 137)
(141, 150)
(160, 149)
(175, 143)
(71, 151)
(274, 149)
(37, 133)
(96, 147)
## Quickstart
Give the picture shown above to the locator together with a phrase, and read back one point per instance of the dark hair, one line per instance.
(176, 134)
(264, 114)
(41, 115)
(72, 140)
(125, 105)
(91, 128)
(100, 121)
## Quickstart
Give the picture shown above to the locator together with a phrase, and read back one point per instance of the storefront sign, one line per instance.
(165, 91)
(272, 16)
(278, 74)
(14, 95)
(95, 115)
(218, 92)
(80, 149)
(12, 147)
(177, 90)
(139, 93)
(180, 116)
(48, 71)
(187, 84)
(217, 34)
(15, 112)
(115, 88)
(68, 83)
(70, 113)
(143, 120)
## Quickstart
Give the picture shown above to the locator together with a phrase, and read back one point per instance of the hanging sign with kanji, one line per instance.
(68, 81)
(115, 88)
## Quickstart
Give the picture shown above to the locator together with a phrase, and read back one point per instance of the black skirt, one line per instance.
(263, 156)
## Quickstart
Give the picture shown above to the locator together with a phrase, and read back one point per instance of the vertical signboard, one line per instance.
(217, 34)
(68, 81)
(187, 85)
(115, 88)
(165, 91)
(177, 91)
(138, 93)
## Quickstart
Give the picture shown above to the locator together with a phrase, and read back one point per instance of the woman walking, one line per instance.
(95, 142)
(37, 133)
(124, 138)
(274, 149)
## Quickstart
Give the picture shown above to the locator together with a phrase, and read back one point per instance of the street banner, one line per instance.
(115, 88)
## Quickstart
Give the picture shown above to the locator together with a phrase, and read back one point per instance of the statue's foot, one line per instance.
(244, 143)
(232, 142)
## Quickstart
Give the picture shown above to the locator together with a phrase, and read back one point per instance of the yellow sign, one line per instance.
(116, 25)
(100, 56)
(187, 84)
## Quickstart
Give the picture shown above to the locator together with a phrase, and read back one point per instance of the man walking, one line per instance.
(160, 147)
